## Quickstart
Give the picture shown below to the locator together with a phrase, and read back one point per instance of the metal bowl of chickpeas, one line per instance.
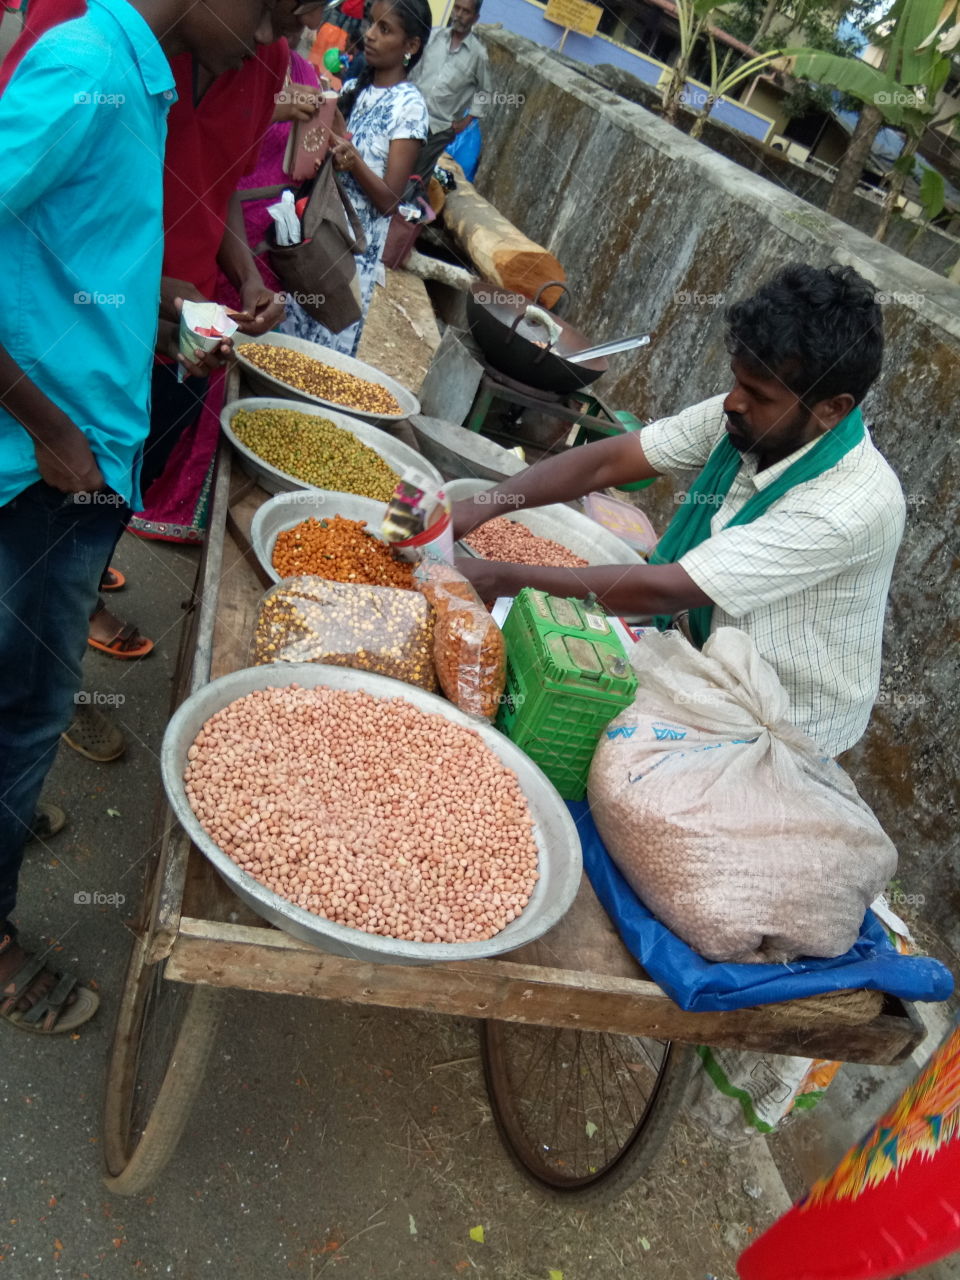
(368, 817)
(285, 445)
(276, 364)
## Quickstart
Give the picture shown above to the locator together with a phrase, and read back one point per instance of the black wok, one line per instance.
(508, 337)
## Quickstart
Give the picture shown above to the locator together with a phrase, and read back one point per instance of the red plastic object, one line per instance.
(891, 1205)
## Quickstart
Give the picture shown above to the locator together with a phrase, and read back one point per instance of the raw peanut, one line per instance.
(382, 817)
(503, 539)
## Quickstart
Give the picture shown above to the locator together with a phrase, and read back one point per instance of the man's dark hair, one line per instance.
(819, 330)
(476, 8)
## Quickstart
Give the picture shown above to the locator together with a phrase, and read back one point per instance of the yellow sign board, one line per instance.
(575, 15)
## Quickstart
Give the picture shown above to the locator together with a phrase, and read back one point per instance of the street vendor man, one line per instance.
(789, 518)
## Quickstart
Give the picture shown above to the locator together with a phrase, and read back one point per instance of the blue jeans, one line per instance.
(53, 548)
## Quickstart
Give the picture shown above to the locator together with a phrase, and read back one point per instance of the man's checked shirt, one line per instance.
(808, 579)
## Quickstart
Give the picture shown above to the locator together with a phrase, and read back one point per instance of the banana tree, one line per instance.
(918, 54)
(692, 19)
(902, 92)
(723, 82)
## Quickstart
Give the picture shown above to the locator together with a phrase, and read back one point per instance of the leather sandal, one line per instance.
(50, 1015)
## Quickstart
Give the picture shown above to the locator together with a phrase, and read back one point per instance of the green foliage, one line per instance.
(856, 78)
(906, 165)
(933, 195)
(912, 20)
(742, 20)
(805, 98)
(815, 21)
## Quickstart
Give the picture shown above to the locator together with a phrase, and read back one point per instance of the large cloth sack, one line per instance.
(727, 821)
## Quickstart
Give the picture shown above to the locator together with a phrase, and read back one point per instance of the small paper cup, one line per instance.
(203, 315)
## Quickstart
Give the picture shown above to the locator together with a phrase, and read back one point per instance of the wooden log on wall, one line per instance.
(500, 252)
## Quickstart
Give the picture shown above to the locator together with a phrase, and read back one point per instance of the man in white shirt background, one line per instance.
(454, 74)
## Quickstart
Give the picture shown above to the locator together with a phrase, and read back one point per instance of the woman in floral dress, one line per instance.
(387, 119)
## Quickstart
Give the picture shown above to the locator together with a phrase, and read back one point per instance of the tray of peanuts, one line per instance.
(277, 364)
(555, 535)
(369, 817)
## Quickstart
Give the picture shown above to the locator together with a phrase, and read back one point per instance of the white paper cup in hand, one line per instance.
(195, 316)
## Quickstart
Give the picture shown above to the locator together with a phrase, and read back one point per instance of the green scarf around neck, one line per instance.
(691, 525)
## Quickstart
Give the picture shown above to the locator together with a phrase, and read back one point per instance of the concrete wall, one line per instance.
(657, 232)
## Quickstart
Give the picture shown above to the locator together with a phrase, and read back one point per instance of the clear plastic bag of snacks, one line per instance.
(383, 629)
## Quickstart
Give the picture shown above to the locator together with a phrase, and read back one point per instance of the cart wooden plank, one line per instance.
(264, 959)
(579, 974)
(164, 891)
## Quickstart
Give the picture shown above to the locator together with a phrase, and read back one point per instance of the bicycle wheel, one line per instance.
(165, 1031)
(582, 1113)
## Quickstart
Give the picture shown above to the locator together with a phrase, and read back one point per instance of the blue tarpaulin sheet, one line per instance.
(701, 986)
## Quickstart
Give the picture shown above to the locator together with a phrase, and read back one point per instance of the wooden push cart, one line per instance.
(585, 1059)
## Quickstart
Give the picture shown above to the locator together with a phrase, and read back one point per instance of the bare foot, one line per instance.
(104, 625)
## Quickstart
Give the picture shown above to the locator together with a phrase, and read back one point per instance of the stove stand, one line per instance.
(589, 417)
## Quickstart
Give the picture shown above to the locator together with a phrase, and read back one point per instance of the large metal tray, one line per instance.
(560, 862)
(271, 386)
(461, 453)
(395, 453)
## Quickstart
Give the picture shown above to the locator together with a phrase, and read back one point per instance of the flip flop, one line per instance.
(127, 643)
(117, 580)
(51, 1014)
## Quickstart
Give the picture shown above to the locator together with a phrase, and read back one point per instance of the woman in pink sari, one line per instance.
(175, 507)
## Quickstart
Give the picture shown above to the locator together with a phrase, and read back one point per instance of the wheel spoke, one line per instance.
(572, 1106)
(164, 1034)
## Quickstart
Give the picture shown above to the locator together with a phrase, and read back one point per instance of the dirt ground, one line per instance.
(400, 334)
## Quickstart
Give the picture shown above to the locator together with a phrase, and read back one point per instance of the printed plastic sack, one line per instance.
(465, 149)
(469, 652)
(736, 1094)
(728, 821)
(383, 629)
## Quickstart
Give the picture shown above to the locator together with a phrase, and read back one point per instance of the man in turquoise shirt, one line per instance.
(80, 222)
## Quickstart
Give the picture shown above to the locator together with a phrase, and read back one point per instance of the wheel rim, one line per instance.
(153, 1021)
(163, 1015)
(571, 1105)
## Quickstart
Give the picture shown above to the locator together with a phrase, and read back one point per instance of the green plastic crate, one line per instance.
(567, 677)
